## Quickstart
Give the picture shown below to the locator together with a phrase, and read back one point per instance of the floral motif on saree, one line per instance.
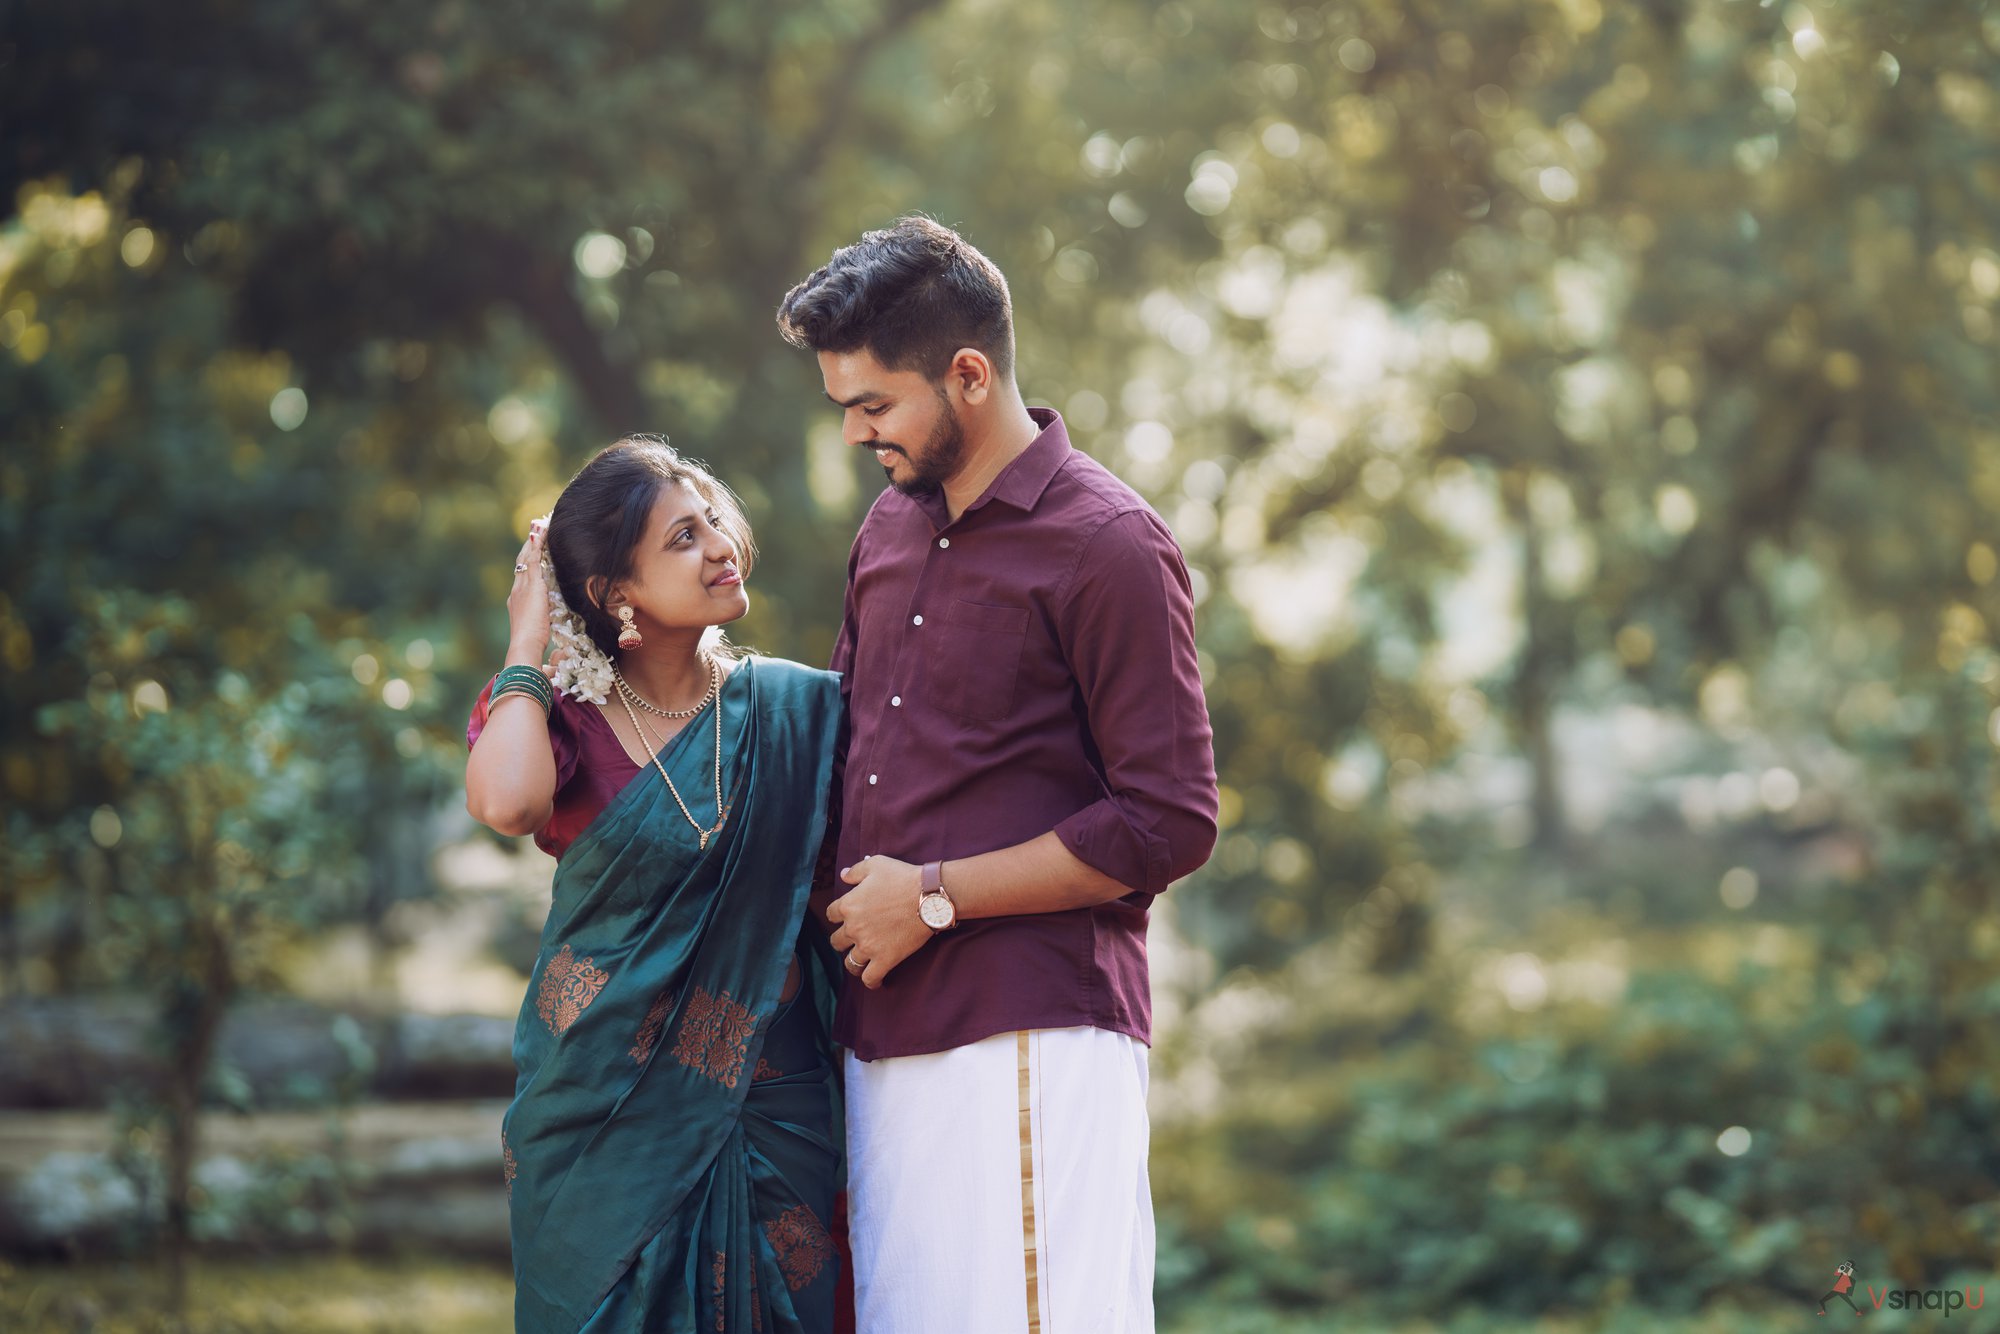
(509, 1169)
(649, 1030)
(715, 1035)
(569, 985)
(802, 1244)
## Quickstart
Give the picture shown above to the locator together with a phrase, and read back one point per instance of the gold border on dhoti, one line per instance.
(1028, 1193)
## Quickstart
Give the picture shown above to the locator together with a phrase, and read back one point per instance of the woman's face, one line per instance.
(684, 574)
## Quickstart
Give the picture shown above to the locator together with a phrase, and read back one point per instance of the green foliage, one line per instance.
(223, 794)
(1580, 1157)
(187, 649)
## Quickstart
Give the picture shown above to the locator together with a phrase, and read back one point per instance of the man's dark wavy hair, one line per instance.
(912, 295)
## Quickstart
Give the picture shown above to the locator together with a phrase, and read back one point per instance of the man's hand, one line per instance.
(876, 925)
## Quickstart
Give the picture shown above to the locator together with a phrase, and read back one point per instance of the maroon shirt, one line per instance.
(1028, 668)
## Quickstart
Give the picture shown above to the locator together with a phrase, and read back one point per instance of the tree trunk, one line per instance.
(193, 1017)
(10, 942)
(539, 285)
(1535, 677)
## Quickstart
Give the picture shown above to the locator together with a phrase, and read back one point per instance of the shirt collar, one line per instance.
(1022, 481)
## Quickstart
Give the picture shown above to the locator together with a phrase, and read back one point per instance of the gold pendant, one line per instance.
(703, 847)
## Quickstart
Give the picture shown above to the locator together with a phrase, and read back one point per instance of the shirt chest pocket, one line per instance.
(974, 664)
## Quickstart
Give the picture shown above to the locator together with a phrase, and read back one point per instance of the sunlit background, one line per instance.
(1580, 420)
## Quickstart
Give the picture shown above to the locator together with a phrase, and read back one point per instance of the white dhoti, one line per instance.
(1000, 1187)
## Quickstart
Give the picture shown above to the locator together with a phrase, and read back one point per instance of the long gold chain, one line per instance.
(653, 754)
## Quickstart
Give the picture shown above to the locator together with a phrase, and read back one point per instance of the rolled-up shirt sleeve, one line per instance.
(1127, 630)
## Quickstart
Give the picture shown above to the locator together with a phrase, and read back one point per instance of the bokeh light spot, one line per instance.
(1126, 211)
(137, 247)
(288, 408)
(1457, 412)
(1676, 509)
(1738, 888)
(1523, 982)
(1557, 184)
(599, 255)
(1281, 139)
(105, 827)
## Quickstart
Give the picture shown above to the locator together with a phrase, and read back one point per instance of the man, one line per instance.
(1028, 762)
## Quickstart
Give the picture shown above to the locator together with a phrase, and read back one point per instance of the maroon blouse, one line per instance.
(591, 765)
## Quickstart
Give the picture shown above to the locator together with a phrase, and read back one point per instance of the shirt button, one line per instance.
(944, 541)
(895, 701)
(871, 780)
(916, 620)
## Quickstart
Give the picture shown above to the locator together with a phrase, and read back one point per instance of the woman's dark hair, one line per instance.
(601, 516)
(912, 295)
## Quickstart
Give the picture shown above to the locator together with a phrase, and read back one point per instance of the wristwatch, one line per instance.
(933, 904)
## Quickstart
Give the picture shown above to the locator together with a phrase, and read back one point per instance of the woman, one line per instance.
(671, 1150)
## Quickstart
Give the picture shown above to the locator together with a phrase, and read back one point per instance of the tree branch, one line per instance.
(837, 93)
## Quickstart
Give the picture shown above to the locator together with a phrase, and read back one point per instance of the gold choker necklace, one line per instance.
(631, 693)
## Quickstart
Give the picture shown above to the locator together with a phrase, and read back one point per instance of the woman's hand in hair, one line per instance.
(528, 604)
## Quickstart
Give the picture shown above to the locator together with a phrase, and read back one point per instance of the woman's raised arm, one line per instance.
(510, 780)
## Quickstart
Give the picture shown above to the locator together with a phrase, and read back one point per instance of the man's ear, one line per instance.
(971, 374)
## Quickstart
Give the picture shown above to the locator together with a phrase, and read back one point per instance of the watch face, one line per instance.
(936, 911)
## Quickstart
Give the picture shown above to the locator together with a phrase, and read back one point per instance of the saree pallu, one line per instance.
(672, 1147)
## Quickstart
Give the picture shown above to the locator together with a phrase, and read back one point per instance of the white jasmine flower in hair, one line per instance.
(582, 670)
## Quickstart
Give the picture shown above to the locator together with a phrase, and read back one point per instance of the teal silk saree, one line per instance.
(673, 1150)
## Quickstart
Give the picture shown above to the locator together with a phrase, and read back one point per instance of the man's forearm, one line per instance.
(877, 925)
(1040, 875)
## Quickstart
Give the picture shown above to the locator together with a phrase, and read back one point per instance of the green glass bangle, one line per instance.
(498, 695)
(544, 694)
(548, 705)
(526, 675)
(518, 680)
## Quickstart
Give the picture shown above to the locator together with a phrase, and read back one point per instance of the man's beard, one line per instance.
(933, 465)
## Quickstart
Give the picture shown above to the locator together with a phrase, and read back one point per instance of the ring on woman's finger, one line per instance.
(854, 965)
(519, 568)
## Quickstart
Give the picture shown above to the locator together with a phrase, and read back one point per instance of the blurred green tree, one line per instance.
(226, 840)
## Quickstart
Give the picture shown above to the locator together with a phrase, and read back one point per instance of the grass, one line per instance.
(302, 1295)
(347, 1295)
(1721, 1321)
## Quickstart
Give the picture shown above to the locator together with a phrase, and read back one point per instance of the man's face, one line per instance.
(906, 418)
